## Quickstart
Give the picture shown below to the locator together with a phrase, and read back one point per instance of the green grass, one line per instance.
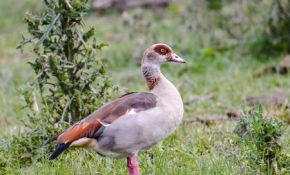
(193, 148)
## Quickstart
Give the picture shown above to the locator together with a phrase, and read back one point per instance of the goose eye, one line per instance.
(162, 50)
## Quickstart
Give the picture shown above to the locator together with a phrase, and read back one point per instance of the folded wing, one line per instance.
(83, 132)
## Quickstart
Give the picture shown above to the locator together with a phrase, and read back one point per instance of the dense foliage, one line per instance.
(70, 80)
(66, 65)
(259, 138)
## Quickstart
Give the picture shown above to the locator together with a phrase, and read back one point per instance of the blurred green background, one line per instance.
(230, 47)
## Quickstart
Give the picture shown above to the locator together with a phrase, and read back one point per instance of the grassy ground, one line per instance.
(213, 67)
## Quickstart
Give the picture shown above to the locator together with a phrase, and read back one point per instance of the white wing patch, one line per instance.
(103, 123)
(79, 142)
(85, 142)
(132, 111)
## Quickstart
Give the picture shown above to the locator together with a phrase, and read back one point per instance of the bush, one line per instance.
(70, 81)
(66, 65)
(259, 138)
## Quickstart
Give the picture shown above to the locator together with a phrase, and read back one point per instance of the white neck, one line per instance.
(169, 97)
(158, 83)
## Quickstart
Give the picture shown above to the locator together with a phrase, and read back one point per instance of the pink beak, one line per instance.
(176, 58)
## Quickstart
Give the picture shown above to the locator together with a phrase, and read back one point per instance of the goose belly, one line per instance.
(136, 132)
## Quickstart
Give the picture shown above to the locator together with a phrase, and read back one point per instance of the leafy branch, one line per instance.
(66, 65)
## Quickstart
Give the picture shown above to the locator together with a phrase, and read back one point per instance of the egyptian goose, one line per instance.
(133, 122)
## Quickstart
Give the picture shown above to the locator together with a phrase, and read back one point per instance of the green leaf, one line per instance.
(100, 46)
(48, 30)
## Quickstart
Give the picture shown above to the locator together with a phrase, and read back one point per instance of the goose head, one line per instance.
(160, 53)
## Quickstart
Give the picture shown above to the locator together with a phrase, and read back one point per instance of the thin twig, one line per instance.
(210, 119)
(65, 109)
(200, 98)
(68, 4)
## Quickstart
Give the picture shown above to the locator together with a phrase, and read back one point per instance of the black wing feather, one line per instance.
(59, 149)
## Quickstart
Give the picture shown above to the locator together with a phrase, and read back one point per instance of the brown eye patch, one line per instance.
(162, 49)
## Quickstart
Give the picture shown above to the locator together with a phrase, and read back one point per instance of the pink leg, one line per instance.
(133, 165)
